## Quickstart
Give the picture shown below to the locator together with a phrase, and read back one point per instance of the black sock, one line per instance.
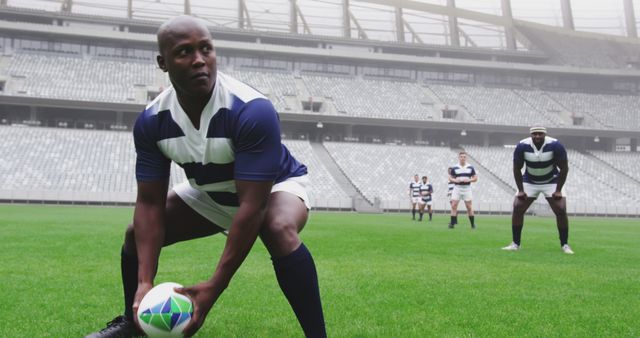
(422, 213)
(516, 231)
(298, 279)
(413, 213)
(454, 219)
(430, 215)
(564, 235)
(472, 219)
(129, 269)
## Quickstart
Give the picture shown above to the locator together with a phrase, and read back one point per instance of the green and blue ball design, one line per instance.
(167, 314)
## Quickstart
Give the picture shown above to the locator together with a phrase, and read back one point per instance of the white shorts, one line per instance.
(534, 190)
(426, 202)
(462, 192)
(416, 199)
(222, 215)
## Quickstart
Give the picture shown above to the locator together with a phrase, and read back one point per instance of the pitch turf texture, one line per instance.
(380, 276)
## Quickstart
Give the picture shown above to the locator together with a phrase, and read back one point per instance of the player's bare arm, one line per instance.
(254, 198)
(517, 175)
(453, 179)
(562, 178)
(148, 223)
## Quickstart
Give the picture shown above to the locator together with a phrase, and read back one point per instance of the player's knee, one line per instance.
(280, 235)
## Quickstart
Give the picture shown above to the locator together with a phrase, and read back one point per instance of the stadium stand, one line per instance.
(372, 98)
(275, 85)
(490, 105)
(71, 163)
(545, 106)
(83, 79)
(588, 182)
(384, 171)
(623, 162)
(324, 188)
(627, 188)
(45, 160)
(617, 111)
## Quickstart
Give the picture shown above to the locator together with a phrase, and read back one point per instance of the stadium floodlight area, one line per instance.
(570, 50)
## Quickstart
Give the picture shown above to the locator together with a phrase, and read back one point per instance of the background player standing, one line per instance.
(414, 194)
(426, 194)
(226, 136)
(545, 173)
(462, 175)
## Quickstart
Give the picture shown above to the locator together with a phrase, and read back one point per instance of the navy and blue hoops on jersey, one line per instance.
(238, 139)
(415, 189)
(424, 188)
(459, 171)
(541, 165)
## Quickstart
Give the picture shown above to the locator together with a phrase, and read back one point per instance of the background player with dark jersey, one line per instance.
(462, 175)
(414, 194)
(546, 169)
(226, 137)
(426, 195)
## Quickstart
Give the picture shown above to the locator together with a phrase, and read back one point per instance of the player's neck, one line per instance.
(193, 107)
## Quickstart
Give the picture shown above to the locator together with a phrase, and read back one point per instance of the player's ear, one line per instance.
(161, 64)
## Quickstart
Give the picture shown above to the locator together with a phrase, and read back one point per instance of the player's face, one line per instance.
(462, 158)
(424, 180)
(538, 138)
(190, 59)
(416, 178)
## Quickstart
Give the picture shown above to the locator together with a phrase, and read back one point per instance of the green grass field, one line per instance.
(380, 276)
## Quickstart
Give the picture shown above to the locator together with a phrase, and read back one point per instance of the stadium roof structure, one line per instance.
(478, 23)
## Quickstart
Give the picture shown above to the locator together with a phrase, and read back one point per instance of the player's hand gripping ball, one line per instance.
(164, 312)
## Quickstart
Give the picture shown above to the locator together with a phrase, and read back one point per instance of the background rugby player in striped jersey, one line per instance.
(545, 173)
(462, 175)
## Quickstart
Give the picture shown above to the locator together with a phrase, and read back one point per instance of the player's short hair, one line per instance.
(424, 176)
(462, 152)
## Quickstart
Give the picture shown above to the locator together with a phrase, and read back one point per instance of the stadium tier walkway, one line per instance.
(339, 176)
(488, 174)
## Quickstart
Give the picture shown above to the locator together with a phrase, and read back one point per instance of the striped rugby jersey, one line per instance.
(238, 139)
(459, 171)
(541, 165)
(425, 188)
(415, 188)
